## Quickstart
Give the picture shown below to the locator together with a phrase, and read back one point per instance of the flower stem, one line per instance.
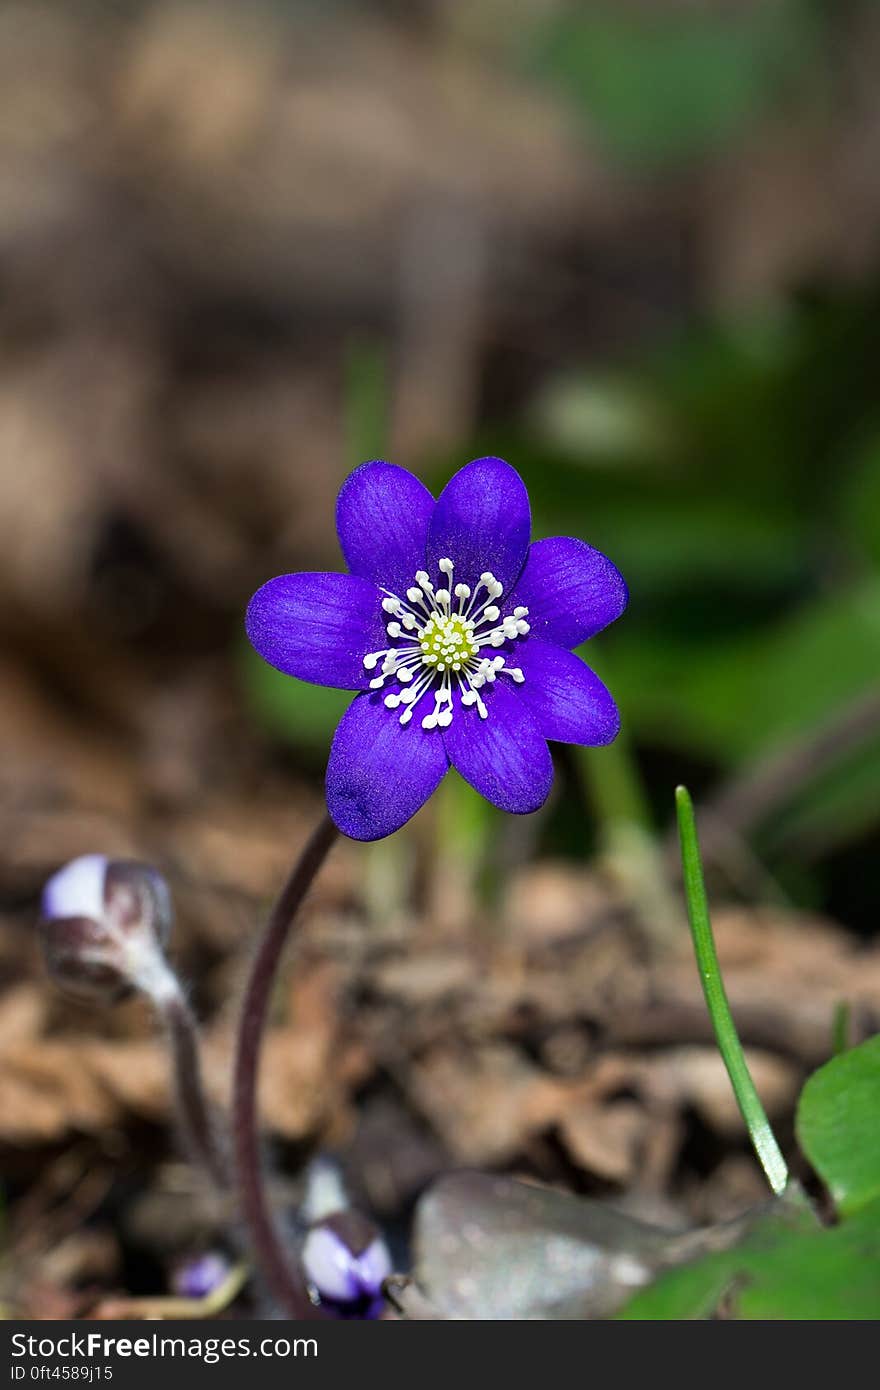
(195, 1115)
(365, 402)
(283, 1281)
(753, 1113)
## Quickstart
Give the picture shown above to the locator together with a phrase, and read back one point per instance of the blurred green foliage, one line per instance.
(295, 712)
(740, 496)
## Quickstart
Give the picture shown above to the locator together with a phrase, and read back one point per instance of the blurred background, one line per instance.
(634, 248)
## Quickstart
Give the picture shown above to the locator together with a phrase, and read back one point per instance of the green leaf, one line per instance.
(838, 1125)
(829, 1274)
(694, 1290)
(787, 1267)
(685, 1294)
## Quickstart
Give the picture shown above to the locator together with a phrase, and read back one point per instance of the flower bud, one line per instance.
(104, 923)
(200, 1275)
(346, 1260)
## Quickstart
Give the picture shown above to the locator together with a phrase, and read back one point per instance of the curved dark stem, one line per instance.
(284, 1282)
(195, 1116)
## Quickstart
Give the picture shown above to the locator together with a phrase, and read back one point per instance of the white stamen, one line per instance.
(440, 646)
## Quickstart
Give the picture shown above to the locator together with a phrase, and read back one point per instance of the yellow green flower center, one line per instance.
(448, 641)
(441, 635)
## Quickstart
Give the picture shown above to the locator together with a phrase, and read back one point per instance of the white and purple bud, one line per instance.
(201, 1275)
(104, 924)
(346, 1261)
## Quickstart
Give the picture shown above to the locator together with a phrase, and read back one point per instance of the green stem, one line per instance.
(729, 1045)
(365, 395)
(840, 1028)
(614, 786)
(614, 783)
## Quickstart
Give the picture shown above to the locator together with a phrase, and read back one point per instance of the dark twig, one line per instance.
(195, 1116)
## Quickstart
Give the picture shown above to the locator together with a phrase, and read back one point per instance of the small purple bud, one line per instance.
(201, 1275)
(346, 1260)
(103, 924)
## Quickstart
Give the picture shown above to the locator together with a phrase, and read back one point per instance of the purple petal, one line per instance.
(382, 516)
(380, 772)
(374, 1266)
(568, 701)
(571, 591)
(318, 627)
(340, 1273)
(505, 756)
(330, 1265)
(201, 1275)
(481, 522)
(77, 890)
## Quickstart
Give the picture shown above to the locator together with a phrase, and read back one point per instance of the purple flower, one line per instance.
(103, 925)
(456, 632)
(200, 1275)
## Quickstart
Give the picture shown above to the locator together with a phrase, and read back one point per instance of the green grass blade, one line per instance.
(753, 1113)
